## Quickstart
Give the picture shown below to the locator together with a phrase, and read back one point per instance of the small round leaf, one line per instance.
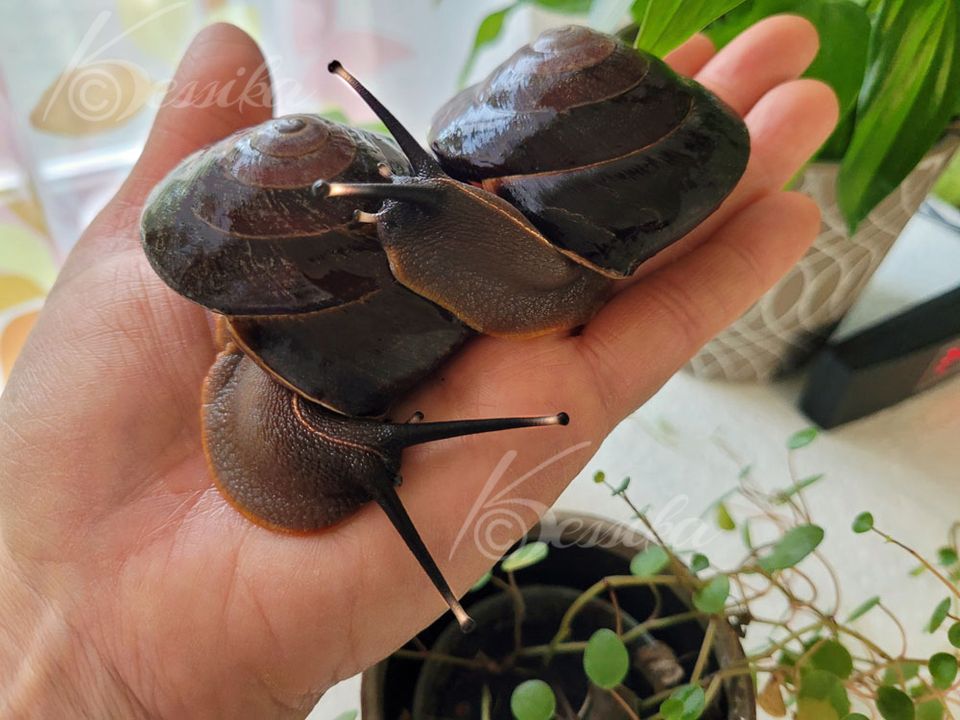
(533, 700)
(863, 523)
(649, 562)
(930, 710)
(953, 634)
(943, 670)
(894, 704)
(599, 476)
(606, 660)
(832, 656)
(699, 562)
(947, 556)
(525, 557)
(685, 703)
(712, 597)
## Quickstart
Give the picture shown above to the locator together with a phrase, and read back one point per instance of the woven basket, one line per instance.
(794, 318)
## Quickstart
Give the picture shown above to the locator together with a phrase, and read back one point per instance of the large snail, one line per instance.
(346, 267)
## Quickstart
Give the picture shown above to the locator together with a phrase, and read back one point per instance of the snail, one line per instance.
(346, 266)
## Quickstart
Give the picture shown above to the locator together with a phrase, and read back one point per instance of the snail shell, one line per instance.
(608, 152)
(308, 292)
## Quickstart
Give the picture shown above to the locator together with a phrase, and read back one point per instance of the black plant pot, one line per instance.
(583, 550)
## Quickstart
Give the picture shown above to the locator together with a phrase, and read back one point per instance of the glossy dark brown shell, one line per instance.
(608, 152)
(309, 291)
(358, 357)
(237, 229)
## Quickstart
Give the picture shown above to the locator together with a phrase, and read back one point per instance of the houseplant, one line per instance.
(895, 66)
(579, 592)
(814, 661)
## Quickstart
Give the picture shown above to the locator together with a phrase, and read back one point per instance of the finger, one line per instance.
(771, 52)
(646, 333)
(689, 58)
(787, 127)
(220, 86)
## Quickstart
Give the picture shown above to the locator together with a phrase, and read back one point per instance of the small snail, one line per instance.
(346, 267)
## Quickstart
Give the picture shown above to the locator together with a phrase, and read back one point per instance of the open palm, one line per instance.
(164, 600)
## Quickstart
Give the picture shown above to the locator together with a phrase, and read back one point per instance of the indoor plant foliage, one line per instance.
(894, 64)
(812, 661)
(895, 68)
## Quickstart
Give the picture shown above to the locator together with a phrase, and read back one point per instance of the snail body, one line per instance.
(348, 266)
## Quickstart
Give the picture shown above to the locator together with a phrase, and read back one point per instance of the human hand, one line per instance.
(128, 586)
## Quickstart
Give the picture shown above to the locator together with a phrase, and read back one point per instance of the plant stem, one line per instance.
(705, 649)
(921, 559)
(623, 703)
(607, 583)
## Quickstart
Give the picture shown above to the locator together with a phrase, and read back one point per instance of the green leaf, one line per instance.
(649, 562)
(784, 495)
(793, 547)
(490, 28)
(824, 686)
(699, 562)
(348, 715)
(482, 582)
(533, 700)
(930, 710)
(622, 487)
(735, 22)
(832, 656)
(567, 7)
(940, 613)
(947, 556)
(665, 24)
(943, 670)
(802, 438)
(725, 520)
(909, 94)
(599, 477)
(525, 556)
(894, 704)
(863, 608)
(685, 703)
(712, 597)
(856, 716)
(900, 673)
(606, 660)
(844, 29)
(863, 523)
(953, 634)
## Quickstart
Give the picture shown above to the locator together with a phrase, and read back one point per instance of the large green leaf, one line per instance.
(568, 7)
(844, 29)
(909, 94)
(665, 24)
(732, 23)
(489, 30)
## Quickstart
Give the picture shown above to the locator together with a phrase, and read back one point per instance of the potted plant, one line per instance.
(584, 619)
(657, 635)
(895, 66)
